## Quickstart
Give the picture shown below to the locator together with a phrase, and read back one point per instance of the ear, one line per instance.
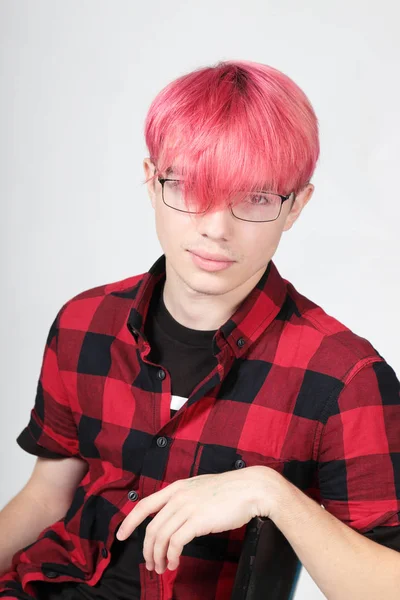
(149, 170)
(297, 206)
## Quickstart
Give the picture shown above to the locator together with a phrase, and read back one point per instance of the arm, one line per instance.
(50, 434)
(342, 562)
(358, 473)
(43, 500)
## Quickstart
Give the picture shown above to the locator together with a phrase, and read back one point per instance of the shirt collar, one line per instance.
(243, 328)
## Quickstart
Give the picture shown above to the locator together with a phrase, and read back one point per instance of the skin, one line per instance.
(204, 300)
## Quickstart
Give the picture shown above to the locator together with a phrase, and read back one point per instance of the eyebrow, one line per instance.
(173, 171)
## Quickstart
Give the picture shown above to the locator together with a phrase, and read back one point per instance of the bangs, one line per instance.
(230, 129)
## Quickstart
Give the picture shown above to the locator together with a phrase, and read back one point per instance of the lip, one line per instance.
(210, 265)
(213, 257)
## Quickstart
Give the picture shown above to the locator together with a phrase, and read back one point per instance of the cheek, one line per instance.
(170, 227)
(263, 240)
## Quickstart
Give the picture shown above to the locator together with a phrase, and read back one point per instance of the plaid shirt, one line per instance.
(294, 390)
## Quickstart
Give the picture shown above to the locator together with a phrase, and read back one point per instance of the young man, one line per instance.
(174, 406)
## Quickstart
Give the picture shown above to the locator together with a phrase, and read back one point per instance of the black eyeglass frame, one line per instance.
(283, 198)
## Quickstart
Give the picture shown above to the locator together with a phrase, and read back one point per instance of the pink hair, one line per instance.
(235, 127)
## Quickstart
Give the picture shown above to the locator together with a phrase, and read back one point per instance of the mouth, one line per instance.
(209, 264)
(210, 256)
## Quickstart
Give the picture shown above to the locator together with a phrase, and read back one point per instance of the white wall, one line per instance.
(76, 80)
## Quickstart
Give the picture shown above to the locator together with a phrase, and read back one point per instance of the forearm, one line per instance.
(21, 522)
(343, 563)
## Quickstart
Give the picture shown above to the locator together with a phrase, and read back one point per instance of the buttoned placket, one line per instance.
(226, 351)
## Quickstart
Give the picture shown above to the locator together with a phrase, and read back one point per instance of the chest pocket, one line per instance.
(213, 458)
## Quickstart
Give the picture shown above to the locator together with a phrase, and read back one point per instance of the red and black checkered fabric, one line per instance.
(294, 390)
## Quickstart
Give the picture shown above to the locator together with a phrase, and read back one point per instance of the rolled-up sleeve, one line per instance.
(51, 431)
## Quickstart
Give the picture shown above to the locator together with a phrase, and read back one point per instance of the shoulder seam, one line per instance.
(351, 373)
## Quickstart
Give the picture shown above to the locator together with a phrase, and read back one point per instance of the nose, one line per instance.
(215, 224)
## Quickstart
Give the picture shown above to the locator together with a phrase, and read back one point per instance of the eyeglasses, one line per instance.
(258, 207)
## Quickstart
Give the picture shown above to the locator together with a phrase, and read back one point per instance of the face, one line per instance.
(249, 245)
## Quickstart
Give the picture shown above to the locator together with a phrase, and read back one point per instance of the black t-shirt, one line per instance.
(187, 355)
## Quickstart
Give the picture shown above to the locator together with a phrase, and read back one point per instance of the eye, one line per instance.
(257, 199)
(174, 183)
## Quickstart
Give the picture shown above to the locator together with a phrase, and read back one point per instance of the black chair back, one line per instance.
(268, 567)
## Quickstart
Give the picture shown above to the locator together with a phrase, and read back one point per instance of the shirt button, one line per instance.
(132, 495)
(239, 464)
(162, 442)
(104, 552)
(241, 342)
(51, 574)
(161, 374)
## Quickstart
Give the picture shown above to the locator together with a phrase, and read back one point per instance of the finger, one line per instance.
(185, 534)
(143, 509)
(158, 545)
(153, 529)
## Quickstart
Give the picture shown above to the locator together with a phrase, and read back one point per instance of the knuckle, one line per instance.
(174, 541)
(150, 529)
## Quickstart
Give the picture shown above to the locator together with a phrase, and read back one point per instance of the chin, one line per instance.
(213, 283)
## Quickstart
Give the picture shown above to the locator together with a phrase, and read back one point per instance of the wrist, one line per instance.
(274, 493)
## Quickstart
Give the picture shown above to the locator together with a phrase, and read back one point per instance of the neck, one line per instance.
(199, 309)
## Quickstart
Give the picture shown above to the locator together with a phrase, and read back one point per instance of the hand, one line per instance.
(197, 506)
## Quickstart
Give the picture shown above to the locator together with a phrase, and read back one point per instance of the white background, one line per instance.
(76, 81)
